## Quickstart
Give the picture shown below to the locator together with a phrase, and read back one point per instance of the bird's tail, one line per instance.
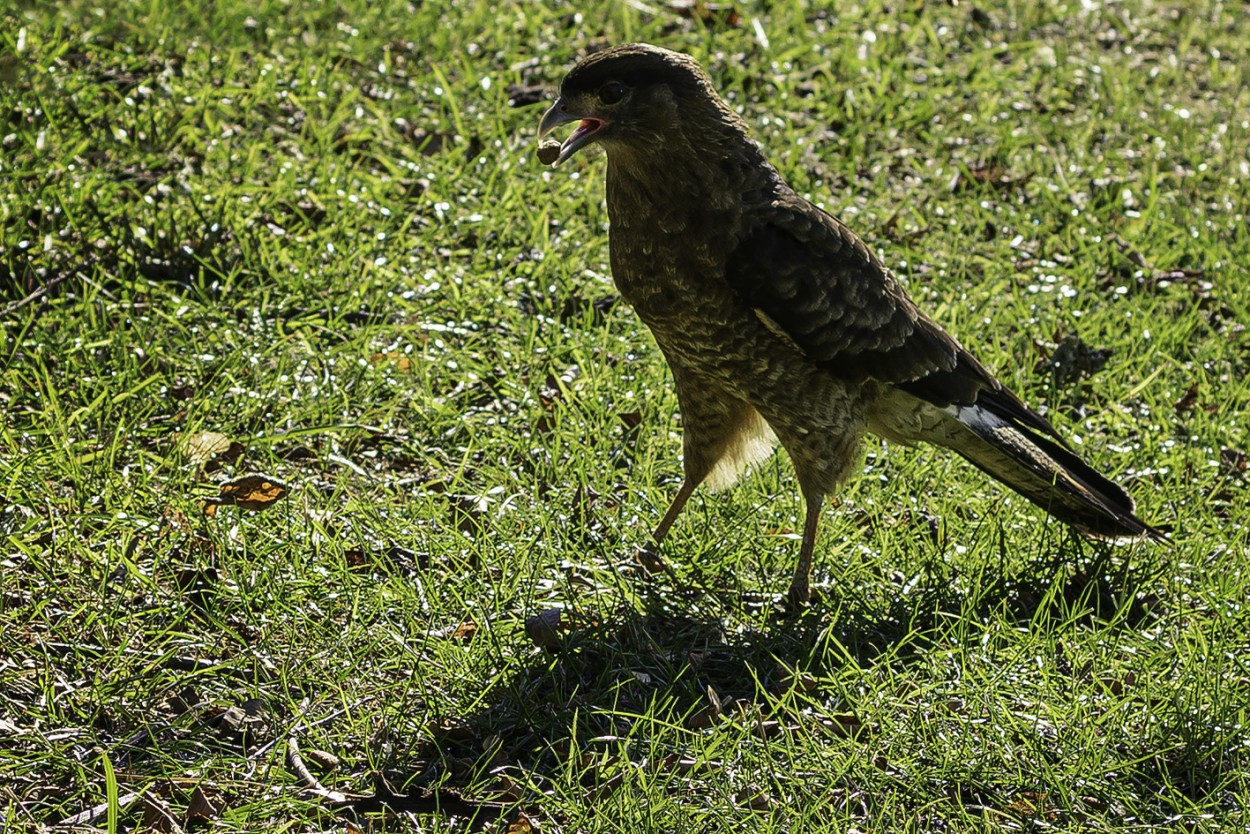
(1042, 469)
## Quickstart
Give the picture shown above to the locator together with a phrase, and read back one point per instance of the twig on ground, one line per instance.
(92, 814)
(38, 293)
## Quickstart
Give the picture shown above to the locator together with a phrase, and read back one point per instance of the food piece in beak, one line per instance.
(549, 152)
(558, 115)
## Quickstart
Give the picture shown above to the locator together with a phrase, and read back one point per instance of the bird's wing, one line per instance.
(813, 281)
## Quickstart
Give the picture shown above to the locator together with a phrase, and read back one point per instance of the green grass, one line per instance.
(320, 231)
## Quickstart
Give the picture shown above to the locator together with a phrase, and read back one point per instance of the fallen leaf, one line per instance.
(206, 804)
(324, 760)
(607, 787)
(847, 725)
(252, 491)
(543, 629)
(199, 585)
(994, 176)
(631, 419)
(1118, 685)
(757, 801)
(522, 825)
(1073, 359)
(395, 359)
(157, 817)
(650, 561)
(1233, 461)
(243, 722)
(715, 700)
(203, 447)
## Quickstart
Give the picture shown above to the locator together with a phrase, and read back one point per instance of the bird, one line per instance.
(780, 326)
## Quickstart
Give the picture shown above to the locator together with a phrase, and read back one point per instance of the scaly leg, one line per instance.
(650, 556)
(674, 510)
(800, 592)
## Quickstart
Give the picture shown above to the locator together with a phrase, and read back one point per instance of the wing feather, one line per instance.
(818, 283)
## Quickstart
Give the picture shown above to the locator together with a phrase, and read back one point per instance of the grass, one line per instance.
(318, 233)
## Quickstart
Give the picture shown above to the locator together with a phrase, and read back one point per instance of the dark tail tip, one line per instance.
(1053, 477)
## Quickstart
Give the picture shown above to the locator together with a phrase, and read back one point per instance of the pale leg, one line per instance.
(800, 592)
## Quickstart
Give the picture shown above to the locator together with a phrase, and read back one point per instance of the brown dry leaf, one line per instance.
(206, 804)
(431, 142)
(524, 824)
(685, 764)
(702, 719)
(447, 730)
(468, 511)
(607, 788)
(253, 491)
(399, 361)
(464, 631)
(232, 720)
(544, 628)
(757, 801)
(507, 790)
(792, 679)
(492, 753)
(1187, 400)
(650, 561)
(847, 725)
(198, 585)
(1233, 462)
(1119, 685)
(323, 760)
(157, 817)
(243, 722)
(715, 700)
(995, 176)
(1072, 360)
(631, 419)
(201, 447)
(1034, 804)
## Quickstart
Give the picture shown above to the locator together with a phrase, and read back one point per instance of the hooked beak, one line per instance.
(559, 115)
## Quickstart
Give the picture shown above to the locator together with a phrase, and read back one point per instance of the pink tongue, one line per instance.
(584, 127)
(587, 126)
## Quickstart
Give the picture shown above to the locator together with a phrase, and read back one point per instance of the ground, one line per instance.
(313, 242)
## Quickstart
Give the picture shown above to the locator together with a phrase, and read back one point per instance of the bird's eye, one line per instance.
(612, 92)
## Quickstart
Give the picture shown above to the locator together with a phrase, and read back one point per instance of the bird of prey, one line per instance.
(777, 321)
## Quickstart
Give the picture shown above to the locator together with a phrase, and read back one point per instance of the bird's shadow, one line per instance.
(679, 655)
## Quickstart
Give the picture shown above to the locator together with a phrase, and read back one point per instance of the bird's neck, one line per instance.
(680, 212)
(668, 189)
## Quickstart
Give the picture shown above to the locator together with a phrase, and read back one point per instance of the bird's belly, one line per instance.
(718, 342)
(819, 420)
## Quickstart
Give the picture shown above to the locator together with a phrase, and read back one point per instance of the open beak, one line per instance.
(558, 115)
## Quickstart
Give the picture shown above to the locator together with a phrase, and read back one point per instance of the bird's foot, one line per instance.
(799, 598)
(651, 562)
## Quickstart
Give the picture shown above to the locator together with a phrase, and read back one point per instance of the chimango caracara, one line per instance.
(778, 322)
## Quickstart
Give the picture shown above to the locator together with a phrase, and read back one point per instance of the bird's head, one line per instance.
(634, 98)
